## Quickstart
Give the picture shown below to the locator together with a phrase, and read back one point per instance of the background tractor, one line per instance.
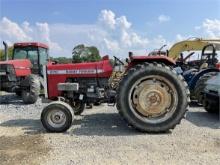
(150, 95)
(23, 73)
(211, 95)
(195, 69)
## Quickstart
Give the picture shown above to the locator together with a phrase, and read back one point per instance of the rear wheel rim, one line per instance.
(56, 118)
(153, 99)
(76, 105)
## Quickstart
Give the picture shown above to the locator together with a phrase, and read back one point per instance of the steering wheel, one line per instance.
(118, 61)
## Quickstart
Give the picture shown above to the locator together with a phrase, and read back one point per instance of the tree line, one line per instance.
(2, 53)
(80, 53)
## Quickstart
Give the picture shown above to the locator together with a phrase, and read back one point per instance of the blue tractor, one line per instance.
(197, 72)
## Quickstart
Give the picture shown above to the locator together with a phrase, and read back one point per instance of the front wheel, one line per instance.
(57, 117)
(152, 97)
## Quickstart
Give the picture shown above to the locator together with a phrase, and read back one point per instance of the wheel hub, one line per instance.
(56, 118)
(152, 98)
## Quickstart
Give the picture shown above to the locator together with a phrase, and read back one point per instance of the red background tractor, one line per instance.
(23, 73)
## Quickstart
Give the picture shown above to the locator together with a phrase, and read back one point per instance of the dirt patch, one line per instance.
(25, 149)
(217, 143)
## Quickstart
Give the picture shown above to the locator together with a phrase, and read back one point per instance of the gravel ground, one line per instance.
(100, 136)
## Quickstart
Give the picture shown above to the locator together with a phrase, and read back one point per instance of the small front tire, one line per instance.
(57, 117)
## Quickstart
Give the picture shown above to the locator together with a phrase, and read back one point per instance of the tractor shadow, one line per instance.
(107, 124)
(11, 99)
(29, 126)
(103, 124)
(88, 125)
(204, 119)
(194, 104)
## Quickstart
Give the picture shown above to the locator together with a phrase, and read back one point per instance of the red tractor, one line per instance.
(23, 73)
(150, 95)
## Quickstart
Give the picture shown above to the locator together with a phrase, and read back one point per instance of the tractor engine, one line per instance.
(80, 82)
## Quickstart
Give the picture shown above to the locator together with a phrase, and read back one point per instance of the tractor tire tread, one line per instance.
(160, 66)
(32, 95)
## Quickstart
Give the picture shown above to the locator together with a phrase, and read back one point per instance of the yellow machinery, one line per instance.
(196, 44)
(196, 72)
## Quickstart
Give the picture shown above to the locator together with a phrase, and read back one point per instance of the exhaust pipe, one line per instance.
(5, 50)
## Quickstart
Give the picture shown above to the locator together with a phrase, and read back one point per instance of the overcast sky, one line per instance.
(114, 26)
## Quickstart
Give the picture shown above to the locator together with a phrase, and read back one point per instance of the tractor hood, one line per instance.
(60, 73)
(22, 67)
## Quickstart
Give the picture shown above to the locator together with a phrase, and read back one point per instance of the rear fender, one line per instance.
(134, 60)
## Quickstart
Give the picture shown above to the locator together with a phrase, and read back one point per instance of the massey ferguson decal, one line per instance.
(75, 71)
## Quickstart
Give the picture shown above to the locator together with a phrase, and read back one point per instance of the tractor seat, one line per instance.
(204, 66)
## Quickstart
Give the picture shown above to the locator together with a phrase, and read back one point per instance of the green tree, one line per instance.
(62, 60)
(2, 55)
(82, 53)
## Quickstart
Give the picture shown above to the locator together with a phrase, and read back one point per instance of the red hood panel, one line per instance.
(59, 73)
(22, 67)
(87, 69)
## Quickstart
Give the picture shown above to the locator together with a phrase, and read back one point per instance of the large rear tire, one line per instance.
(200, 85)
(211, 107)
(57, 117)
(152, 97)
(31, 93)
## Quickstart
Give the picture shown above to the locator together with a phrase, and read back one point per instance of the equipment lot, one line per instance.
(100, 136)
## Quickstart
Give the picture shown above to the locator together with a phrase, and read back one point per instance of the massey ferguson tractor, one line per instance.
(23, 73)
(150, 95)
